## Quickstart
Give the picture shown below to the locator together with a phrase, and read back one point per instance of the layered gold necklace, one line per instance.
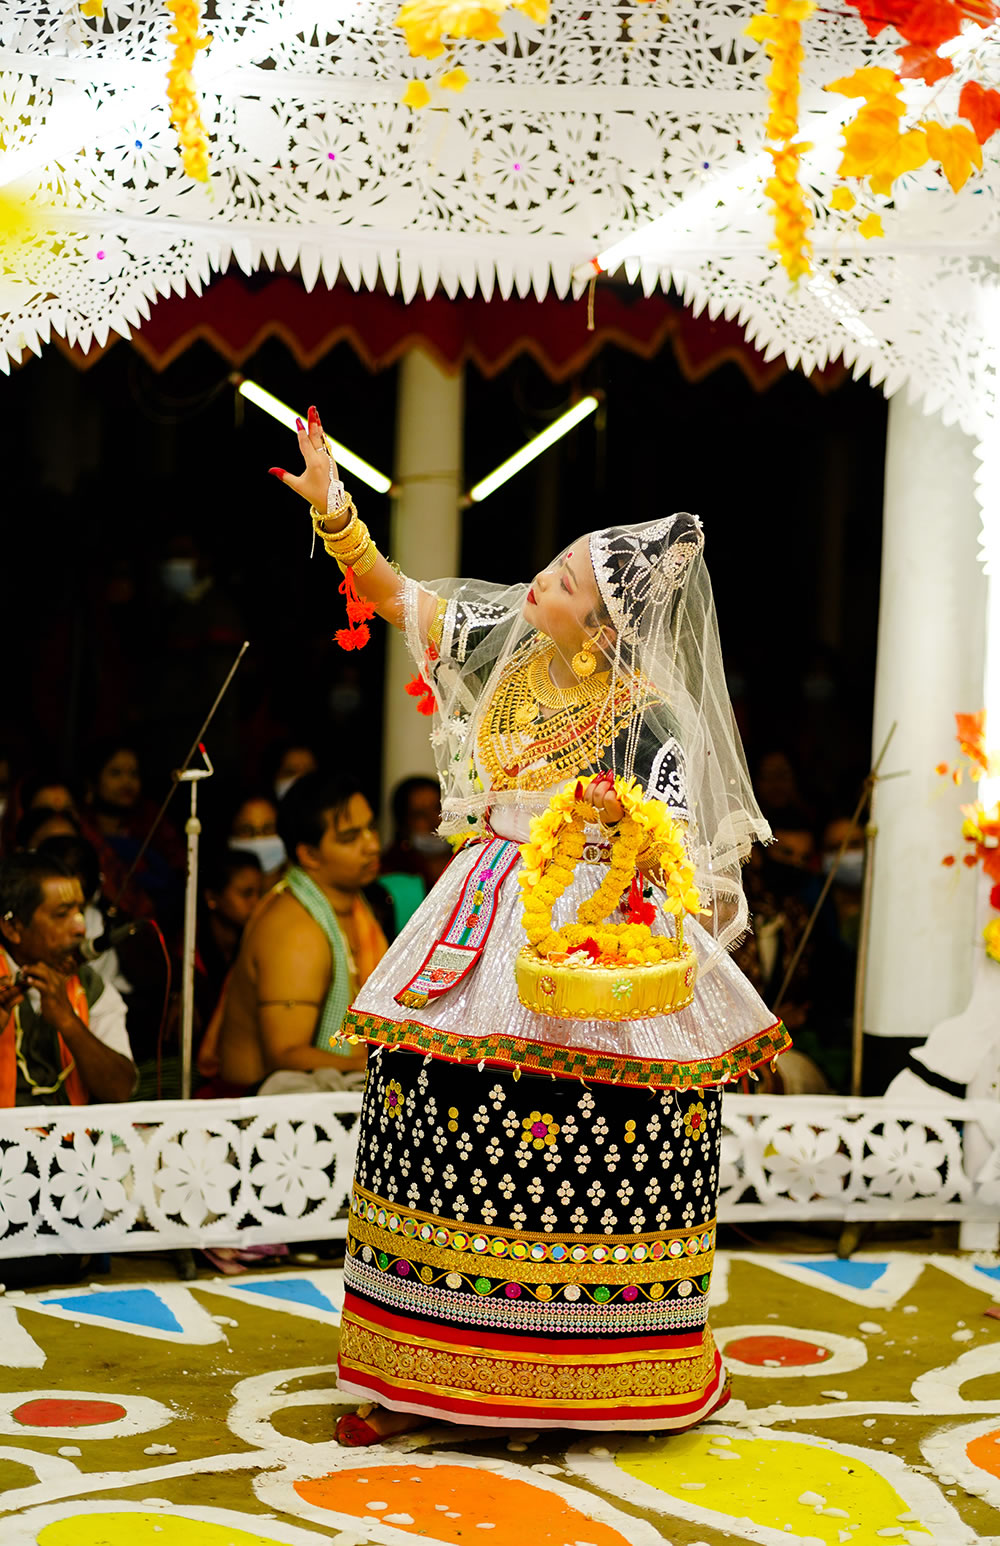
(522, 748)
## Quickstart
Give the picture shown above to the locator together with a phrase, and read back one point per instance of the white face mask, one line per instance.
(179, 576)
(282, 785)
(269, 850)
(429, 843)
(849, 870)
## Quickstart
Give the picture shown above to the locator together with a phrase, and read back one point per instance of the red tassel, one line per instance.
(590, 946)
(359, 612)
(418, 688)
(639, 911)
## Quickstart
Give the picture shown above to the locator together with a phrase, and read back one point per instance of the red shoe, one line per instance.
(354, 1433)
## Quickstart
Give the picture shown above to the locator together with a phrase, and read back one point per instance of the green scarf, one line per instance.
(336, 1003)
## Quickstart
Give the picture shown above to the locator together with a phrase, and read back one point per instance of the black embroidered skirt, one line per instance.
(532, 1251)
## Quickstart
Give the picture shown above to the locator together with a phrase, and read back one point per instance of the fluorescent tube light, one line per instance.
(344, 458)
(548, 437)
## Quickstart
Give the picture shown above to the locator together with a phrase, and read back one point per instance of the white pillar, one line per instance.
(424, 536)
(930, 665)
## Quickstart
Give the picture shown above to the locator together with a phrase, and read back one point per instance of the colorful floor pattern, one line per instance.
(145, 1412)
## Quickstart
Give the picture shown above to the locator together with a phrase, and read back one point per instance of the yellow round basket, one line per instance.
(594, 969)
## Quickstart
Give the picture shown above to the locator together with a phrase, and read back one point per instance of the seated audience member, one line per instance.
(39, 824)
(254, 829)
(62, 1028)
(37, 791)
(846, 888)
(231, 887)
(121, 816)
(81, 860)
(416, 848)
(311, 944)
(288, 762)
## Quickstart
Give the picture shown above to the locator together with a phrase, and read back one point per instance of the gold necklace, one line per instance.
(583, 723)
(541, 686)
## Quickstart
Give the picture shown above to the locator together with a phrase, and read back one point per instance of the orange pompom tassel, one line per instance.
(359, 612)
(424, 692)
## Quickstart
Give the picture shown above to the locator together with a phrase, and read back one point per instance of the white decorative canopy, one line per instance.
(567, 138)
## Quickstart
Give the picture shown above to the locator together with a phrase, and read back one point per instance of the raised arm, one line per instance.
(334, 517)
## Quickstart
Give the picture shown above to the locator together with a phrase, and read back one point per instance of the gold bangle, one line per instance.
(347, 552)
(367, 560)
(319, 519)
(348, 537)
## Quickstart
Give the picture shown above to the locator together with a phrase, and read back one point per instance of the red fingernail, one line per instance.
(277, 472)
(312, 412)
(300, 426)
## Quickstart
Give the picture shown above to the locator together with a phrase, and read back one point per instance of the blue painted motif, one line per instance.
(299, 1291)
(134, 1306)
(852, 1274)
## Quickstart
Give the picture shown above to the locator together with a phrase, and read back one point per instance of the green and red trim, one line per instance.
(534, 1057)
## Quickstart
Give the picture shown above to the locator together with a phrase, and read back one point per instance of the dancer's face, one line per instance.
(564, 598)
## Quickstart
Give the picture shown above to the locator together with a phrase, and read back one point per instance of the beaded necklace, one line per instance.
(513, 736)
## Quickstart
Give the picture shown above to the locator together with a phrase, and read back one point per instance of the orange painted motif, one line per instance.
(472, 1495)
(984, 1452)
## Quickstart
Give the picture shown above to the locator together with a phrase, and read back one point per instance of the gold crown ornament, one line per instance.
(593, 969)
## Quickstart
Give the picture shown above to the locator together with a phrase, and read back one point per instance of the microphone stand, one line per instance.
(186, 774)
(192, 828)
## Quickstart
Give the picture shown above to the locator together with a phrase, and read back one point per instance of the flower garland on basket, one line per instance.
(594, 969)
(779, 28)
(980, 824)
(185, 114)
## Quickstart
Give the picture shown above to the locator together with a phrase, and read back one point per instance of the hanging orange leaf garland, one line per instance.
(878, 149)
(185, 113)
(780, 31)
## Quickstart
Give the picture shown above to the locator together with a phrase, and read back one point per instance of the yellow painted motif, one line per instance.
(766, 1479)
(145, 1530)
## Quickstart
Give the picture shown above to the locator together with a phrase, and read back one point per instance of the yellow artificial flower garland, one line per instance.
(185, 114)
(780, 31)
(647, 833)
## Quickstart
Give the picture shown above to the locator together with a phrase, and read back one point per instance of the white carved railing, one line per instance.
(155, 1175)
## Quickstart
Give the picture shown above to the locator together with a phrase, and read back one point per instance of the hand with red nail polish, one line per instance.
(313, 482)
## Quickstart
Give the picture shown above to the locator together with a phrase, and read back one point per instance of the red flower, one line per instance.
(591, 946)
(995, 898)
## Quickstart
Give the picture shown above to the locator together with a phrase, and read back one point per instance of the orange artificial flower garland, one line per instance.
(185, 113)
(780, 30)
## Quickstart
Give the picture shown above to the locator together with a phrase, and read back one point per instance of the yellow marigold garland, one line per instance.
(430, 25)
(185, 114)
(646, 832)
(780, 30)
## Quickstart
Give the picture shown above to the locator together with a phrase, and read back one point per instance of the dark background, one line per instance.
(104, 468)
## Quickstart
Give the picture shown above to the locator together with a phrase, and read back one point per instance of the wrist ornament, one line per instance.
(321, 518)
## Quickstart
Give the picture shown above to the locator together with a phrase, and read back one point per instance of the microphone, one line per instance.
(90, 949)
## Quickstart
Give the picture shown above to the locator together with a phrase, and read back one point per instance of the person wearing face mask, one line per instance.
(417, 856)
(311, 944)
(289, 762)
(254, 829)
(850, 868)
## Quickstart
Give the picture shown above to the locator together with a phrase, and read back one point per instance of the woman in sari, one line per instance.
(532, 1222)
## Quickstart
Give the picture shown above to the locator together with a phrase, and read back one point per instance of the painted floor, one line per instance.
(145, 1412)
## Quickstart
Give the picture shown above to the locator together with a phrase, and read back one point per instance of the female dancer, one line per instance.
(532, 1219)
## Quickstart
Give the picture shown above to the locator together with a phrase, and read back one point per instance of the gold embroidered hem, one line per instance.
(499, 1051)
(567, 1382)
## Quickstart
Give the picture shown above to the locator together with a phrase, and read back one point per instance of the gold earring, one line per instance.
(584, 662)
